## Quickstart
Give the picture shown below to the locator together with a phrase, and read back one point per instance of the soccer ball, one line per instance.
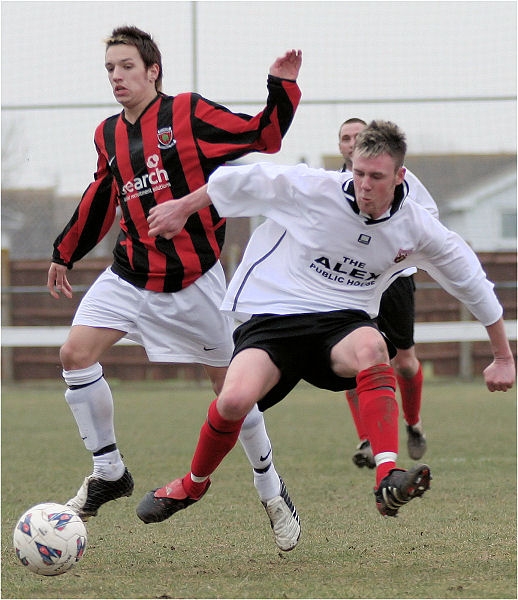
(49, 538)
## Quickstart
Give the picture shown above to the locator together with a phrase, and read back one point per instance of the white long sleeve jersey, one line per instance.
(320, 254)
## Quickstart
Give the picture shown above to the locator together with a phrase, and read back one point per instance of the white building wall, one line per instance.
(479, 221)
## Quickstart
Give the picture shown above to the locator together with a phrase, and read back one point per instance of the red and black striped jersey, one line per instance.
(170, 151)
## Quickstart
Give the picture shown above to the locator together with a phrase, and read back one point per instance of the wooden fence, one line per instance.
(27, 303)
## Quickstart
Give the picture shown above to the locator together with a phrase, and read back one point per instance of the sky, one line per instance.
(369, 59)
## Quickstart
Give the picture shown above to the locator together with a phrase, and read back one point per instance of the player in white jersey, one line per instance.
(314, 298)
(396, 319)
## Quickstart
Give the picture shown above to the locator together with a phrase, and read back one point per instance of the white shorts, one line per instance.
(184, 327)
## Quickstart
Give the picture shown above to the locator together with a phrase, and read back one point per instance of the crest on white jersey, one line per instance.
(401, 255)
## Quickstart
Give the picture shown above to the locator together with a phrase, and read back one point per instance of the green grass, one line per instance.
(458, 541)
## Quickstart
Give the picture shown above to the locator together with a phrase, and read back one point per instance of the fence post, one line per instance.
(465, 350)
(7, 353)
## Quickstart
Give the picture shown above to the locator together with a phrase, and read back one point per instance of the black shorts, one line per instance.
(397, 313)
(300, 346)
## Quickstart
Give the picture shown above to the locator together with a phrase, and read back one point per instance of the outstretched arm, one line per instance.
(500, 374)
(287, 66)
(168, 218)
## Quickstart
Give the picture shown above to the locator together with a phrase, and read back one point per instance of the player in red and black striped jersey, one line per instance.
(162, 293)
(169, 150)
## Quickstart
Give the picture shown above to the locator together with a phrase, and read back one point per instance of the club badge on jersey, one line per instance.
(165, 138)
(401, 255)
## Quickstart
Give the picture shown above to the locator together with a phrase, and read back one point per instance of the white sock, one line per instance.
(92, 406)
(267, 483)
(418, 427)
(109, 466)
(257, 446)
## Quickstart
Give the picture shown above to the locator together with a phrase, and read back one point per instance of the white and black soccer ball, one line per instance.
(49, 538)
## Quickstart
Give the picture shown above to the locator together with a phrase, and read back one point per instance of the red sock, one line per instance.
(352, 398)
(217, 438)
(379, 414)
(411, 396)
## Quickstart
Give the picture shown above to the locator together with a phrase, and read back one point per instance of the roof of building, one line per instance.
(450, 176)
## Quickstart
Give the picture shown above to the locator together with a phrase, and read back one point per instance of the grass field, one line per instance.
(458, 541)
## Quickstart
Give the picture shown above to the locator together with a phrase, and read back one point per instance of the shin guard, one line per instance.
(379, 414)
(217, 438)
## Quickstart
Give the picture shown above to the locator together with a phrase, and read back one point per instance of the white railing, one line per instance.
(444, 331)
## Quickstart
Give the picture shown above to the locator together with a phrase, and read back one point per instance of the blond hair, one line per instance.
(382, 137)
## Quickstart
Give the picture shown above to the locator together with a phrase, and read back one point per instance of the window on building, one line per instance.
(509, 224)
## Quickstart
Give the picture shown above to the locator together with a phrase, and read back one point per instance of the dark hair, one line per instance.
(351, 120)
(143, 42)
(382, 137)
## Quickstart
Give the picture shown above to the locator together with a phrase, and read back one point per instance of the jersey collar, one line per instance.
(400, 194)
(159, 95)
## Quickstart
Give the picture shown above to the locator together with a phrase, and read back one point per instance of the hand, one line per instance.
(287, 66)
(500, 375)
(58, 277)
(167, 219)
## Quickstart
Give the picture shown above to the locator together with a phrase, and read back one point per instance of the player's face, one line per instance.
(375, 180)
(348, 134)
(133, 85)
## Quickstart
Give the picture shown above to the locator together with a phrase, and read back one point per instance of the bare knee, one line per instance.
(373, 351)
(405, 363)
(250, 376)
(371, 354)
(361, 349)
(75, 356)
(234, 403)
